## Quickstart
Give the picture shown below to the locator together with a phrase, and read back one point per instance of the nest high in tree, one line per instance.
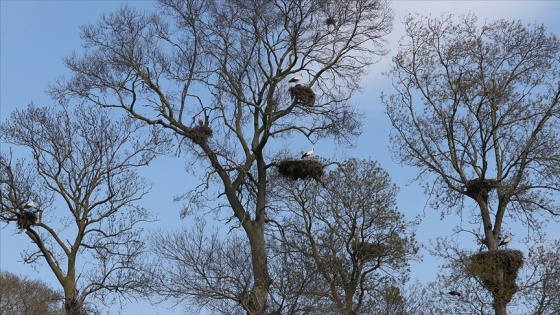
(201, 134)
(26, 219)
(302, 94)
(301, 169)
(497, 270)
(480, 187)
(368, 251)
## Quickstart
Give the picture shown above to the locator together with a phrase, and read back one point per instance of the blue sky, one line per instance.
(35, 35)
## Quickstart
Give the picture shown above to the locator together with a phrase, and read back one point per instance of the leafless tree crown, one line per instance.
(216, 74)
(82, 177)
(478, 107)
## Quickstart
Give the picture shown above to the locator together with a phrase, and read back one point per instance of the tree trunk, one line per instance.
(255, 303)
(491, 240)
(500, 307)
(72, 305)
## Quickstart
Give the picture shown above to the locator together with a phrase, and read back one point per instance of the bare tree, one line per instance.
(215, 74)
(540, 291)
(341, 248)
(22, 296)
(457, 292)
(297, 285)
(198, 268)
(347, 229)
(83, 183)
(476, 108)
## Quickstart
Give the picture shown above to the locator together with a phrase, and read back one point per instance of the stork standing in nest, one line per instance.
(29, 205)
(506, 240)
(296, 79)
(308, 153)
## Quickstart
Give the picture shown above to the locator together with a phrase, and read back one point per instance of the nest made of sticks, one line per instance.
(497, 269)
(200, 134)
(368, 251)
(301, 169)
(480, 187)
(302, 94)
(26, 219)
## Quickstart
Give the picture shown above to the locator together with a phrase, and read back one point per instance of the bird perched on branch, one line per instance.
(296, 79)
(200, 121)
(308, 153)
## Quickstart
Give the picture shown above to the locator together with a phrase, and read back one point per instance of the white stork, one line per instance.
(29, 205)
(506, 240)
(296, 79)
(308, 153)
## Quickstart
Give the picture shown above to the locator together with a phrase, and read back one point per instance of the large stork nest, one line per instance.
(26, 219)
(480, 187)
(368, 251)
(302, 94)
(301, 169)
(497, 269)
(200, 134)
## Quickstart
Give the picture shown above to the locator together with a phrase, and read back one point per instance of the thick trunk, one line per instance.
(500, 307)
(72, 304)
(491, 238)
(72, 301)
(255, 303)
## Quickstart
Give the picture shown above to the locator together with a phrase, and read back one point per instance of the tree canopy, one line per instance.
(476, 107)
(215, 74)
(81, 174)
(337, 246)
(23, 296)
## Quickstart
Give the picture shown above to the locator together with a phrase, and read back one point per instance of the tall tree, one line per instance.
(22, 296)
(340, 247)
(82, 179)
(347, 230)
(476, 108)
(227, 63)
(199, 268)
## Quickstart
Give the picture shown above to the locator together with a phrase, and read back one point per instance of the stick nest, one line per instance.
(480, 187)
(26, 219)
(301, 169)
(497, 269)
(302, 94)
(200, 134)
(368, 251)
